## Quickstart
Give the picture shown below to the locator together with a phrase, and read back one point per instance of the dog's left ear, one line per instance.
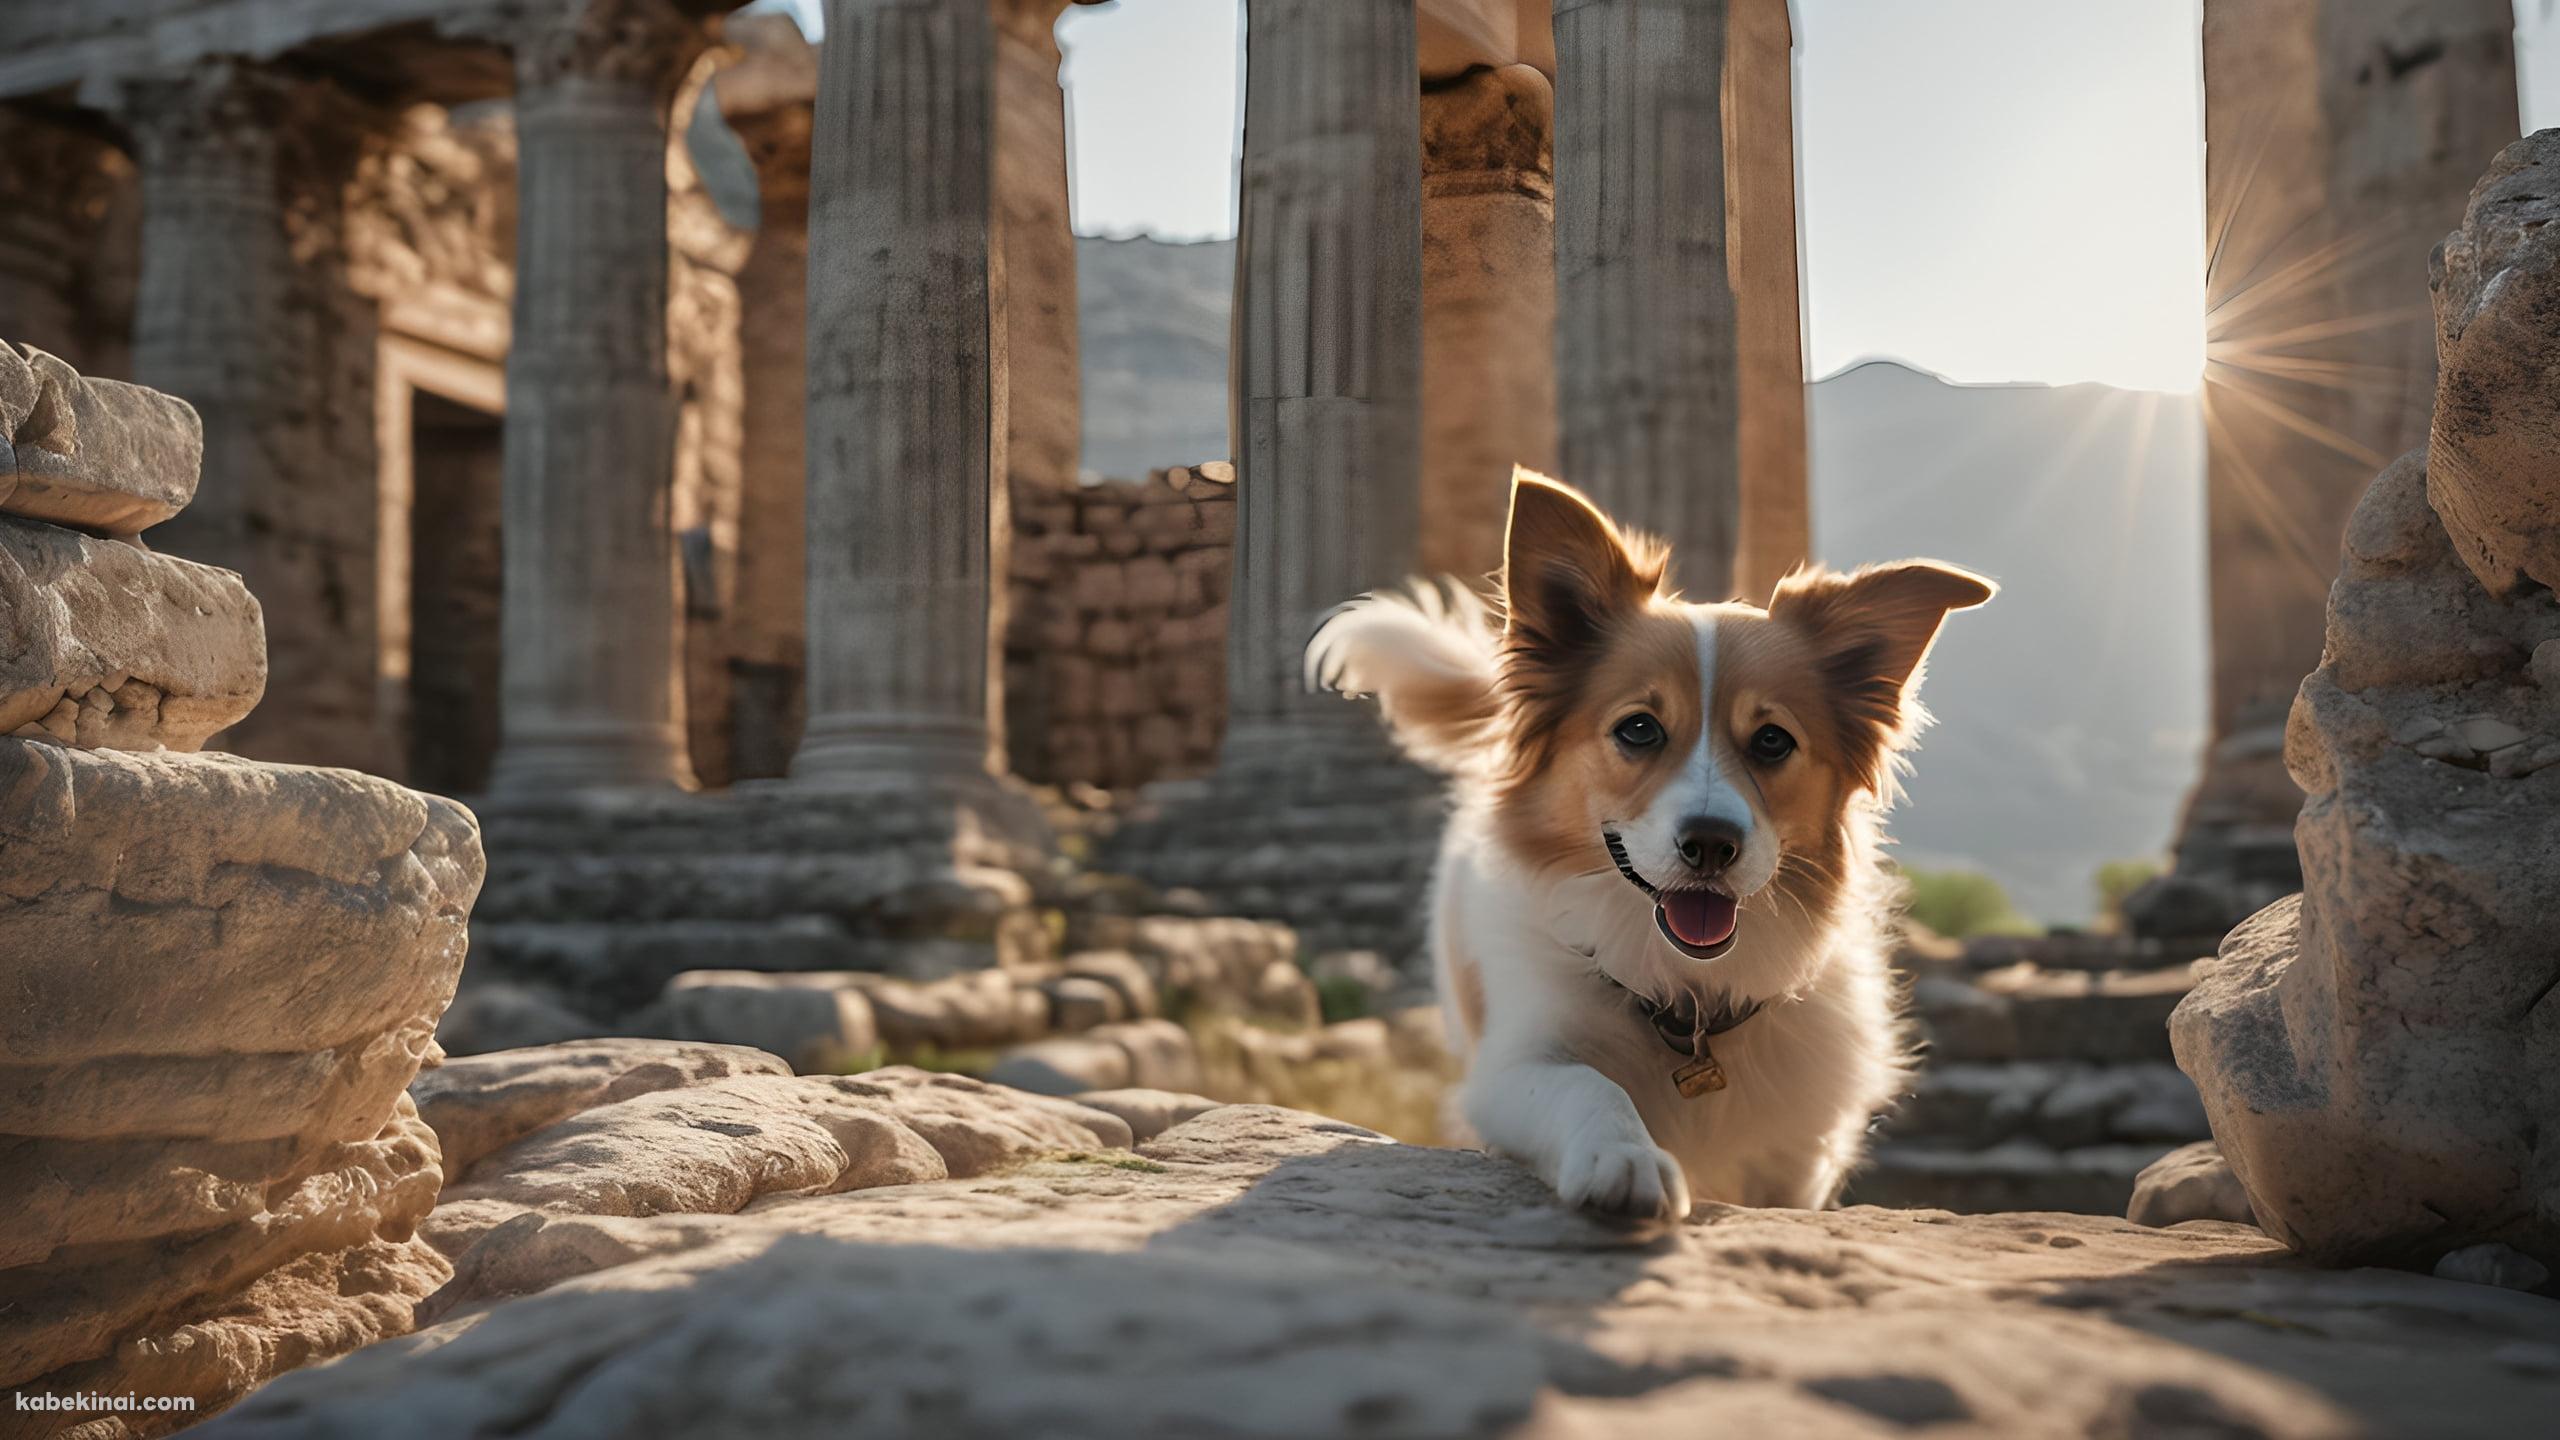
(1873, 627)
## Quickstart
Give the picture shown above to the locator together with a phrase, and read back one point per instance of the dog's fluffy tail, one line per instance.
(1431, 655)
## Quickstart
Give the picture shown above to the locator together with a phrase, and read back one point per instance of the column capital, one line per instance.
(227, 112)
(640, 44)
(223, 105)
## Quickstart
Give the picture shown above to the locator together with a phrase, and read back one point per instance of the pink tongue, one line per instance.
(1699, 917)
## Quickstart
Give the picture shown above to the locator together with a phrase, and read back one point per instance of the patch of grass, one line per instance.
(1342, 998)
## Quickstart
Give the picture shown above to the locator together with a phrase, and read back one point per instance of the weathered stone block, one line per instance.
(2493, 455)
(98, 454)
(816, 1028)
(232, 972)
(1147, 583)
(2192, 1182)
(177, 649)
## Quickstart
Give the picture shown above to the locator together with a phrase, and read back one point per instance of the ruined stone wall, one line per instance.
(1115, 654)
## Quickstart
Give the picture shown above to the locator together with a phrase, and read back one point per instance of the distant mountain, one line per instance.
(1151, 323)
(2070, 709)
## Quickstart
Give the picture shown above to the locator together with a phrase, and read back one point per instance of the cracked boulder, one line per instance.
(2380, 1059)
(225, 975)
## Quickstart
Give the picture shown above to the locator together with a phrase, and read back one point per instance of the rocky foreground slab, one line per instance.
(1256, 1271)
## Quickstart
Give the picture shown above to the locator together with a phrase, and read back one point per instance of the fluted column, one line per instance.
(903, 345)
(588, 696)
(1328, 346)
(1646, 327)
(244, 310)
(209, 307)
(767, 98)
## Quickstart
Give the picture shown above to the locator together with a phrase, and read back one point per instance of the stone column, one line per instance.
(904, 345)
(1646, 334)
(1760, 194)
(1671, 137)
(1036, 244)
(590, 664)
(210, 307)
(767, 98)
(2342, 138)
(1488, 304)
(1328, 347)
(243, 310)
(1308, 816)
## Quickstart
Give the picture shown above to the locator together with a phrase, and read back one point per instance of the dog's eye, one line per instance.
(1639, 732)
(1769, 745)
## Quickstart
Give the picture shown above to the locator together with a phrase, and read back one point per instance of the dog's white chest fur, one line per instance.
(1555, 964)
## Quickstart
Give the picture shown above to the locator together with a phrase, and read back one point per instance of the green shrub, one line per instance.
(1962, 903)
(1343, 998)
(2116, 880)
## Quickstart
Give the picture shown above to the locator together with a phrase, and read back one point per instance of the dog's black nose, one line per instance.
(1708, 846)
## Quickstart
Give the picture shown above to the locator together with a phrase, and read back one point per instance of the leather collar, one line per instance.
(1686, 1026)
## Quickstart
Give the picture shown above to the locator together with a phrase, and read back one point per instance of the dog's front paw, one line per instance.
(1631, 1179)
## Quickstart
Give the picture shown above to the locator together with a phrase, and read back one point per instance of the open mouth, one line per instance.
(1700, 922)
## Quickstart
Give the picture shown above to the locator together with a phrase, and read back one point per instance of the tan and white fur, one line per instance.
(1538, 939)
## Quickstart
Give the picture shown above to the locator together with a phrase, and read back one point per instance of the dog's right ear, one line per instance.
(1566, 571)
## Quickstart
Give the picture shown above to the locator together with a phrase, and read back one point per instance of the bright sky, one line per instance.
(1992, 189)
(2004, 189)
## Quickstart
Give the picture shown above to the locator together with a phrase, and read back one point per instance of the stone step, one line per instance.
(2078, 951)
(2027, 1013)
(2057, 1103)
(610, 968)
(2016, 1175)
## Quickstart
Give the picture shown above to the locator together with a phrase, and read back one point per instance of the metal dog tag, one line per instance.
(1699, 1077)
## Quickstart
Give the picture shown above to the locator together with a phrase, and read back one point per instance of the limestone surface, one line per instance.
(1257, 1272)
(2379, 1058)
(208, 1161)
(97, 454)
(107, 646)
(479, 1103)
(637, 1131)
